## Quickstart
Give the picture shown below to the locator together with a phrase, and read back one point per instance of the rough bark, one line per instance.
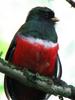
(43, 83)
(71, 2)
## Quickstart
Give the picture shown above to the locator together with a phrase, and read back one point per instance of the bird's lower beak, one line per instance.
(55, 19)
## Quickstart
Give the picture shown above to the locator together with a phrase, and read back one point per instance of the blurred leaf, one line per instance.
(1, 88)
(3, 48)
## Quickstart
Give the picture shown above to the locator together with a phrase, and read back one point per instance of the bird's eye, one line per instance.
(45, 15)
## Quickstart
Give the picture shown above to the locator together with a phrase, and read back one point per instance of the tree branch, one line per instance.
(43, 83)
(71, 2)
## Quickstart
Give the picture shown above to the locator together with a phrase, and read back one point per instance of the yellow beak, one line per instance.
(55, 19)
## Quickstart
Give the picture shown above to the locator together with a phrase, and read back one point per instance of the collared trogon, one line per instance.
(35, 48)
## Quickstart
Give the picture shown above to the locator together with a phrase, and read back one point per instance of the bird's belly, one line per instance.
(35, 56)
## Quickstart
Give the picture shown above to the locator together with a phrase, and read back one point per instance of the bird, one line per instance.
(34, 47)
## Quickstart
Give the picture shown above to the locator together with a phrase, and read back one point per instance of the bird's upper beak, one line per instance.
(55, 19)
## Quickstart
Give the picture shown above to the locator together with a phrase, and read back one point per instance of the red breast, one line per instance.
(35, 56)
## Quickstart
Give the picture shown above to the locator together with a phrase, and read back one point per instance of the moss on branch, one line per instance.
(43, 83)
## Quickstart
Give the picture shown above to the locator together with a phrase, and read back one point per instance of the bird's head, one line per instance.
(42, 13)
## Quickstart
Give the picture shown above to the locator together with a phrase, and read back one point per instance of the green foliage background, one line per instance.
(3, 48)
